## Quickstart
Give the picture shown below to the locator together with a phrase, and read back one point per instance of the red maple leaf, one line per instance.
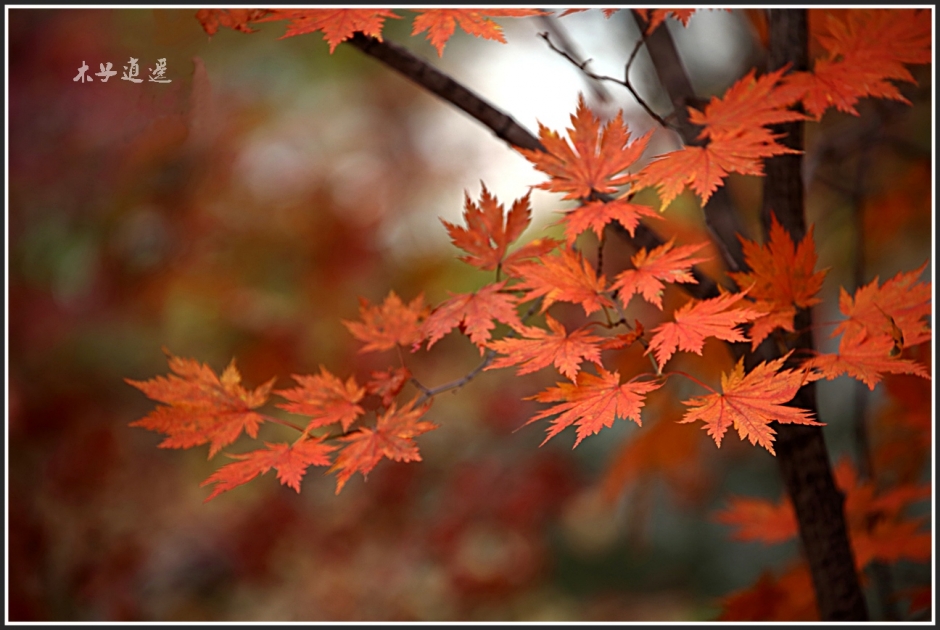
(592, 403)
(541, 348)
(866, 358)
(201, 407)
(597, 214)
(751, 402)
(236, 19)
(290, 460)
(866, 50)
(325, 398)
(490, 231)
(901, 303)
(782, 278)
(474, 313)
(440, 23)
(654, 267)
(696, 320)
(596, 161)
(337, 25)
(392, 437)
(737, 140)
(383, 327)
(388, 383)
(759, 519)
(655, 17)
(567, 277)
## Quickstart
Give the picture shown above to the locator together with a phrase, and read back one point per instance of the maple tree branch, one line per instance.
(552, 24)
(582, 66)
(721, 218)
(286, 423)
(503, 125)
(802, 455)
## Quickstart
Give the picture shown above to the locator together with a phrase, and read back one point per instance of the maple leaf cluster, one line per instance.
(599, 165)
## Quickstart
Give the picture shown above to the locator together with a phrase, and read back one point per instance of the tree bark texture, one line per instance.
(801, 450)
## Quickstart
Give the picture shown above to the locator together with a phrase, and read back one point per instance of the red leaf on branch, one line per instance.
(696, 320)
(654, 267)
(596, 160)
(325, 398)
(201, 407)
(490, 231)
(290, 460)
(592, 403)
(782, 278)
(392, 437)
(751, 402)
(388, 383)
(441, 23)
(597, 214)
(383, 327)
(337, 25)
(236, 19)
(474, 313)
(655, 17)
(542, 348)
(865, 358)
(567, 277)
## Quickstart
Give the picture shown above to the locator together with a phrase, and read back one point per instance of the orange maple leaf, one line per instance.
(325, 398)
(597, 214)
(236, 19)
(901, 303)
(595, 162)
(567, 277)
(655, 17)
(654, 267)
(383, 327)
(337, 25)
(440, 23)
(474, 313)
(865, 358)
(696, 320)
(290, 460)
(392, 437)
(788, 597)
(388, 383)
(737, 140)
(592, 403)
(490, 231)
(866, 50)
(201, 407)
(751, 402)
(541, 348)
(782, 278)
(759, 519)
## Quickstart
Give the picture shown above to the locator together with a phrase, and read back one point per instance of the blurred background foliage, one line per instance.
(241, 211)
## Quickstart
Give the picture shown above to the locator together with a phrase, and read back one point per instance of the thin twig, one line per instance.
(582, 66)
(552, 24)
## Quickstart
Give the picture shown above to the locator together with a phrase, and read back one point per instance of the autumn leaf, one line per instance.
(541, 348)
(901, 302)
(696, 320)
(490, 231)
(474, 313)
(782, 277)
(595, 162)
(388, 383)
(440, 23)
(788, 597)
(654, 267)
(596, 215)
(201, 407)
(392, 437)
(393, 323)
(624, 339)
(655, 17)
(337, 25)
(290, 460)
(865, 358)
(236, 19)
(866, 51)
(737, 141)
(751, 402)
(592, 403)
(759, 519)
(567, 277)
(325, 398)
